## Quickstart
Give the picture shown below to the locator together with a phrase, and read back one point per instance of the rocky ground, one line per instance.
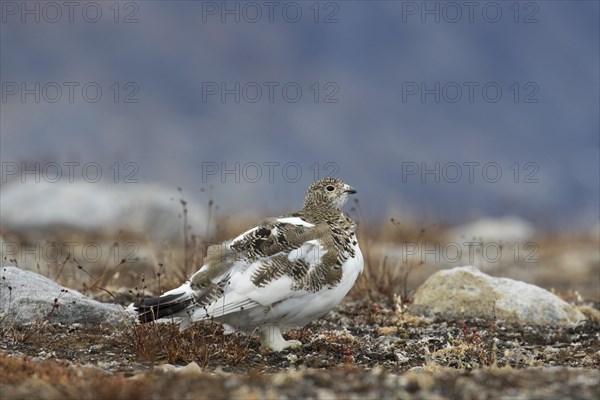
(363, 349)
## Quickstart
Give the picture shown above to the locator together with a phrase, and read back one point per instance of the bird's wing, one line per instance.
(266, 264)
(273, 236)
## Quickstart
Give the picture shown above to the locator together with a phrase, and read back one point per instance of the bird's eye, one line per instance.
(330, 188)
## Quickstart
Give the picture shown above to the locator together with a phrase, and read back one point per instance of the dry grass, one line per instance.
(129, 259)
(468, 351)
(201, 343)
(163, 266)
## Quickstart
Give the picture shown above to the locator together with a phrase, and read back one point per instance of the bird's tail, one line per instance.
(167, 305)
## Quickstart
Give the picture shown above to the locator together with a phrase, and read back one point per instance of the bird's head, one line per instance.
(328, 193)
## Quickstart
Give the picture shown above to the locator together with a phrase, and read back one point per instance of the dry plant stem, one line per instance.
(186, 246)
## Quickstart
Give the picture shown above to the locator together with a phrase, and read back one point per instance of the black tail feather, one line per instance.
(159, 307)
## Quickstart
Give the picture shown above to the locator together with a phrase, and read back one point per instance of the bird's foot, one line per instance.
(270, 338)
(281, 345)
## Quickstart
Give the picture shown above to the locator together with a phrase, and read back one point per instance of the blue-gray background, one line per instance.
(369, 54)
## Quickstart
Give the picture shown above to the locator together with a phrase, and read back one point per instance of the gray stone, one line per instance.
(27, 297)
(466, 292)
(498, 230)
(148, 209)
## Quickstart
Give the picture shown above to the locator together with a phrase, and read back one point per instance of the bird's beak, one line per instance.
(349, 189)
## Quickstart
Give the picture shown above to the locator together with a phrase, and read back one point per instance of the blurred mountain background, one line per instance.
(369, 110)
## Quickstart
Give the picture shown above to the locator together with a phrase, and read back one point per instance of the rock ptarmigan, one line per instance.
(279, 275)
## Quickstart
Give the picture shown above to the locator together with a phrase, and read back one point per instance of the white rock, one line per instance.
(96, 207)
(505, 229)
(27, 297)
(490, 243)
(466, 292)
(190, 369)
